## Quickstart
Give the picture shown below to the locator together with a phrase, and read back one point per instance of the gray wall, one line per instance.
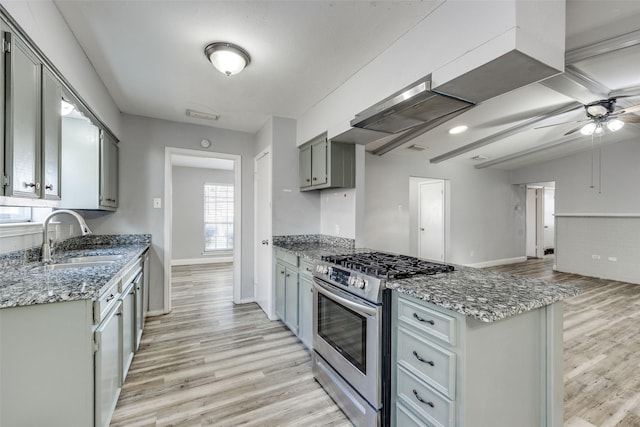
(597, 229)
(620, 179)
(188, 209)
(486, 210)
(293, 211)
(142, 152)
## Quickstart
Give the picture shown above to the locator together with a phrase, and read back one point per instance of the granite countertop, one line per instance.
(477, 293)
(483, 294)
(23, 284)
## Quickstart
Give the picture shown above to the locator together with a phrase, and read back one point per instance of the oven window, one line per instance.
(345, 330)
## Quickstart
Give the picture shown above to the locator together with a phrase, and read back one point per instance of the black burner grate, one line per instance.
(387, 266)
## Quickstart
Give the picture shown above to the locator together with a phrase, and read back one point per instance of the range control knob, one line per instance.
(351, 280)
(360, 283)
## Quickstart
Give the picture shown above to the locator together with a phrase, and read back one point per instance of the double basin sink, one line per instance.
(81, 262)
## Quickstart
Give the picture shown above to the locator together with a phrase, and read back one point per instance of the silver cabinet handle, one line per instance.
(420, 319)
(420, 399)
(421, 359)
(265, 242)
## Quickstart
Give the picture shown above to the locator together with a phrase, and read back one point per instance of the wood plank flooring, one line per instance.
(209, 362)
(601, 348)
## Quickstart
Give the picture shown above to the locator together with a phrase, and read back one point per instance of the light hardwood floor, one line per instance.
(601, 348)
(209, 362)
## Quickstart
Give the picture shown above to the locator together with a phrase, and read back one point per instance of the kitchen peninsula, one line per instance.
(470, 347)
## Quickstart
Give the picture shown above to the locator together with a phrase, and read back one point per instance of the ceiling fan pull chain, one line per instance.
(600, 170)
(592, 165)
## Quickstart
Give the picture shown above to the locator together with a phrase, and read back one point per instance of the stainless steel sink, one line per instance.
(94, 258)
(70, 265)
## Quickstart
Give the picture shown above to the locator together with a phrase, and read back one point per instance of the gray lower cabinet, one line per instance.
(326, 164)
(108, 364)
(305, 309)
(452, 370)
(294, 300)
(63, 364)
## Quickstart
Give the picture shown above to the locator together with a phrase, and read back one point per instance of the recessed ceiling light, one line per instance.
(458, 129)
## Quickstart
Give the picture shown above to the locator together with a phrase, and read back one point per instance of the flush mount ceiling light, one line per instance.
(458, 129)
(228, 58)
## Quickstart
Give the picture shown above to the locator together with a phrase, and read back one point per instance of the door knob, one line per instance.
(265, 242)
(421, 229)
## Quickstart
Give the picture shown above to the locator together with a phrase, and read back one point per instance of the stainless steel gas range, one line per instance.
(352, 328)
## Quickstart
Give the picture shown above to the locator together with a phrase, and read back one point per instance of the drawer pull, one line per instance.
(431, 322)
(421, 359)
(415, 392)
(110, 297)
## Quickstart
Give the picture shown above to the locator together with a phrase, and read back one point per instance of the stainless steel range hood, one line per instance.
(416, 108)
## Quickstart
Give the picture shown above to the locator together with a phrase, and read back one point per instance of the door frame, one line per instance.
(169, 153)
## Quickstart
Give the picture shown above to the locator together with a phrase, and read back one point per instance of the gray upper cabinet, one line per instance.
(51, 135)
(22, 130)
(32, 124)
(108, 171)
(326, 164)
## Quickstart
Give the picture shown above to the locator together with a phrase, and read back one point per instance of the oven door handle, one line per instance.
(344, 301)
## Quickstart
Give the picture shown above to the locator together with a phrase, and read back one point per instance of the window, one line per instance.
(10, 214)
(218, 217)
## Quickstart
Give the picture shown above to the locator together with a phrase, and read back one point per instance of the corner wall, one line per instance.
(142, 154)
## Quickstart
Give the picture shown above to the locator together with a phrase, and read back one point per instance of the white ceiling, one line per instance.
(150, 56)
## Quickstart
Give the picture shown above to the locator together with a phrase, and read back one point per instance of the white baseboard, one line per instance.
(246, 301)
(196, 261)
(497, 262)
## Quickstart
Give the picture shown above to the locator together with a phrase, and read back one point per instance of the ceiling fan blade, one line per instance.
(627, 110)
(574, 130)
(562, 123)
(632, 118)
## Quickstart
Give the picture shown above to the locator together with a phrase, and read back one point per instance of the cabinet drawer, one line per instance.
(306, 267)
(424, 400)
(288, 257)
(432, 322)
(406, 418)
(428, 361)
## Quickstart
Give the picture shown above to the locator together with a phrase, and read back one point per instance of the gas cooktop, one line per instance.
(386, 266)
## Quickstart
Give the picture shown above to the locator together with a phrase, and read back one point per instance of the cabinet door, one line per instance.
(22, 145)
(291, 300)
(139, 321)
(51, 135)
(108, 171)
(128, 329)
(280, 290)
(108, 366)
(319, 163)
(305, 311)
(305, 166)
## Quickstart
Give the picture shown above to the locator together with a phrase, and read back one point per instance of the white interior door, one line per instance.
(534, 223)
(263, 286)
(431, 220)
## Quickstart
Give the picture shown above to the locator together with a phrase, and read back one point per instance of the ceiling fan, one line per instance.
(602, 114)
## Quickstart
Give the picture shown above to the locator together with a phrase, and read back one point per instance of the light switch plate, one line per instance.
(157, 203)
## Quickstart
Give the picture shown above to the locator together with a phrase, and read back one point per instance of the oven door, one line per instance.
(347, 334)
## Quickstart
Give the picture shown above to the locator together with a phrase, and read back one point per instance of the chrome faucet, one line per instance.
(46, 242)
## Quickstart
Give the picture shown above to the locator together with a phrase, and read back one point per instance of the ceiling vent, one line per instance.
(200, 115)
(479, 157)
(416, 147)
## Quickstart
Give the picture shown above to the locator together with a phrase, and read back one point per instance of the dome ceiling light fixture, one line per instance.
(228, 58)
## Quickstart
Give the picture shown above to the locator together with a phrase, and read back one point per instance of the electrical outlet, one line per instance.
(595, 256)
(157, 203)
(612, 258)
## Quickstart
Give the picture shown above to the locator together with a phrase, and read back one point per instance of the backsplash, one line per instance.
(315, 238)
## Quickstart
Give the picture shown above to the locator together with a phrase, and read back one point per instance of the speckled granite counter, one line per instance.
(21, 283)
(482, 294)
(314, 246)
